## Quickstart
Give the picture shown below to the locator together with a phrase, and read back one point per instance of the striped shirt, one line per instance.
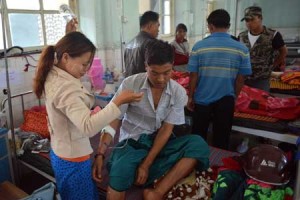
(141, 117)
(218, 59)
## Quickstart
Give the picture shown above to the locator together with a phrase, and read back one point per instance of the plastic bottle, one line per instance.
(96, 75)
(108, 76)
(66, 12)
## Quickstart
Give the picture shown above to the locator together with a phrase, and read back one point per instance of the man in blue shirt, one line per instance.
(217, 64)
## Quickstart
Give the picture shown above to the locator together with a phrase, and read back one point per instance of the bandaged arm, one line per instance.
(107, 135)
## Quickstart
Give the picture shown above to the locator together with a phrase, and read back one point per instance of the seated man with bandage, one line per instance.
(147, 149)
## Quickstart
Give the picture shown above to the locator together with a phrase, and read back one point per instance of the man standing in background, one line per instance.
(217, 65)
(266, 46)
(134, 55)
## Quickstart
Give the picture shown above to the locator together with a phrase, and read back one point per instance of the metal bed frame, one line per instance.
(14, 155)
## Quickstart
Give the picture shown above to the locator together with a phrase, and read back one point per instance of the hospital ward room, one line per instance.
(149, 100)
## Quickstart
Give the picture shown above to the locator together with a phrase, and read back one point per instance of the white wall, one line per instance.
(20, 81)
(108, 23)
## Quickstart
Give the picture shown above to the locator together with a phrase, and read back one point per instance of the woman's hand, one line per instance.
(72, 25)
(128, 96)
(97, 169)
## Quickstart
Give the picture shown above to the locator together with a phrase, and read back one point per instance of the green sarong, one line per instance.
(124, 161)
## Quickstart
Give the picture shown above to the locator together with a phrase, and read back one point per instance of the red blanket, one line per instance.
(182, 78)
(259, 102)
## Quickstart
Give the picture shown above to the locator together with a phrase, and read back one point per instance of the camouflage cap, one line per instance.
(252, 11)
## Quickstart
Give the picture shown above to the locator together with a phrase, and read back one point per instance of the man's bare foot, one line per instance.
(152, 194)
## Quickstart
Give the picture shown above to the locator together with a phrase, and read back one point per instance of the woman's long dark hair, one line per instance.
(74, 43)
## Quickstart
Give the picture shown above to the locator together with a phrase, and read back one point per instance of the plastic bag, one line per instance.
(47, 192)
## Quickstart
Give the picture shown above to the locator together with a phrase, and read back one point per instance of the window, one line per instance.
(165, 15)
(209, 9)
(32, 23)
(165, 10)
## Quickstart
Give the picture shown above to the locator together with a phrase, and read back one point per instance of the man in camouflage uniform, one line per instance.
(266, 46)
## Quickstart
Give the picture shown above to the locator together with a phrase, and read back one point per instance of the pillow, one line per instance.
(36, 122)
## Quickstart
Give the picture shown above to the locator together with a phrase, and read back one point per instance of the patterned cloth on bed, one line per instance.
(260, 122)
(198, 185)
(256, 117)
(276, 86)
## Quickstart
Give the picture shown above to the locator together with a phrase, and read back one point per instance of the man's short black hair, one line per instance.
(220, 18)
(159, 52)
(148, 17)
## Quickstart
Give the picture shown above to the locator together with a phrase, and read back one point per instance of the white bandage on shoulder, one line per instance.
(110, 130)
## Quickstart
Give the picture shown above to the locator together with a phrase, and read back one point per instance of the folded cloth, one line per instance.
(291, 78)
